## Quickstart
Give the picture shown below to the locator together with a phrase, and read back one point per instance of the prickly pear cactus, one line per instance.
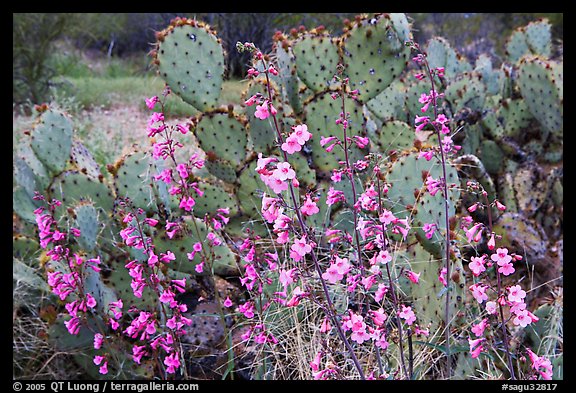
(24, 247)
(540, 83)
(389, 104)
(429, 295)
(490, 76)
(214, 197)
(83, 160)
(532, 39)
(316, 56)
(290, 83)
(375, 53)
(133, 179)
(224, 138)
(86, 219)
(394, 136)
(466, 91)
(250, 191)
(190, 59)
(51, 140)
(71, 187)
(441, 54)
(320, 116)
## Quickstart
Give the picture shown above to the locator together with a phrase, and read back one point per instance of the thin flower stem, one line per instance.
(350, 175)
(447, 222)
(499, 283)
(332, 313)
(392, 290)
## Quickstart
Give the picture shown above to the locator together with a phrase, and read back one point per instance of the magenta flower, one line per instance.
(187, 203)
(334, 196)
(429, 229)
(542, 365)
(414, 277)
(262, 111)
(379, 316)
(138, 351)
(361, 142)
(291, 145)
(227, 302)
(475, 347)
(277, 185)
(172, 362)
(380, 292)
(479, 328)
(407, 314)
(423, 120)
(326, 140)
(477, 265)
(500, 206)
(516, 294)
(474, 233)
(301, 134)
(309, 207)
(491, 307)
(522, 319)
(325, 327)
(98, 339)
(151, 102)
(332, 275)
(428, 154)
(442, 276)
(73, 325)
(360, 336)
(285, 277)
(284, 171)
(301, 247)
(479, 292)
(433, 185)
(501, 257)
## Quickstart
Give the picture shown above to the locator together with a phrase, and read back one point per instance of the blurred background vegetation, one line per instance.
(93, 56)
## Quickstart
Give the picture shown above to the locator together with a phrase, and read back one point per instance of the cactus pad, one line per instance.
(388, 105)
(375, 53)
(224, 138)
(466, 91)
(24, 247)
(441, 54)
(540, 84)
(133, 179)
(86, 219)
(214, 197)
(429, 295)
(395, 135)
(83, 160)
(321, 115)
(316, 58)
(532, 39)
(51, 140)
(72, 187)
(191, 61)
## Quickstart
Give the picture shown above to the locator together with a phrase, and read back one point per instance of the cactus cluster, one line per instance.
(503, 117)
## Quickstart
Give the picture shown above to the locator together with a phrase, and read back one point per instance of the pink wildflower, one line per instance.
(477, 265)
(414, 277)
(291, 145)
(309, 207)
(407, 314)
(479, 328)
(516, 293)
(301, 134)
(475, 347)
